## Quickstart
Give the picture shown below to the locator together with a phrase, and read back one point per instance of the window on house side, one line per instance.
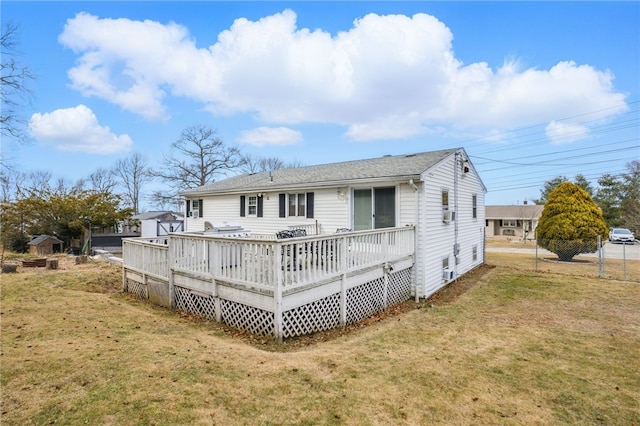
(445, 263)
(474, 252)
(445, 200)
(297, 206)
(474, 206)
(252, 206)
(509, 223)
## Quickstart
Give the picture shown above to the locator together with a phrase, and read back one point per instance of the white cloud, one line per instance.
(76, 129)
(385, 128)
(396, 70)
(561, 133)
(262, 136)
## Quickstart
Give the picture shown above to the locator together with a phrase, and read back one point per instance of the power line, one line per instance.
(495, 136)
(555, 152)
(551, 163)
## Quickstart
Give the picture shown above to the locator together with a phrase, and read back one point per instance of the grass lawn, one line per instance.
(503, 346)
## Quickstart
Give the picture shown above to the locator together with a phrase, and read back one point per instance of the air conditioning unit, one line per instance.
(448, 216)
(447, 275)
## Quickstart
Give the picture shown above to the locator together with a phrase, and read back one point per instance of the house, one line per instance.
(159, 223)
(45, 244)
(514, 221)
(445, 202)
(368, 233)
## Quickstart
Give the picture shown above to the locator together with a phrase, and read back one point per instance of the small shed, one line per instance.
(159, 223)
(45, 244)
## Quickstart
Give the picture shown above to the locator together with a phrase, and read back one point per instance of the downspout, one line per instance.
(456, 212)
(415, 232)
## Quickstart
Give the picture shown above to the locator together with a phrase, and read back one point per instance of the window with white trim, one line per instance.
(195, 208)
(297, 205)
(474, 206)
(474, 253)
(509, 223)
(252, 206)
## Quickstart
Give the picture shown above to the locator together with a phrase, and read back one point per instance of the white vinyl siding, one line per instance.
(436, 240)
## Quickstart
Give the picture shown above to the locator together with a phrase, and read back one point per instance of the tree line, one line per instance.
(617, 196)
(35, 203)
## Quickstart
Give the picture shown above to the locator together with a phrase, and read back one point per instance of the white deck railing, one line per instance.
(285, 287)
(148, 256)
(267, 263)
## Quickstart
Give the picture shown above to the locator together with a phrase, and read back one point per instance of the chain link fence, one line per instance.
(603, 258)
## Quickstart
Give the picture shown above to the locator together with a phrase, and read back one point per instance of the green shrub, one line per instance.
(570, 223)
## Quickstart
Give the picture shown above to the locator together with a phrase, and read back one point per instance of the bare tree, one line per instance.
(254, 164)
(14, 85)
(132, 173)
(34, 183)
(197, 158)
(163, 200)
(103, 180)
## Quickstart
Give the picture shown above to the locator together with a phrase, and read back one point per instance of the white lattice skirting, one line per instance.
(320, 315)
(139, 289)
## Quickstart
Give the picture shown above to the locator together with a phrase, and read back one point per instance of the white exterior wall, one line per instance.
(331, 211)
(407, 206)
(436, 239)
(149, 228)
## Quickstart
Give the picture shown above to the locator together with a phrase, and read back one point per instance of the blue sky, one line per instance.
(531, 90)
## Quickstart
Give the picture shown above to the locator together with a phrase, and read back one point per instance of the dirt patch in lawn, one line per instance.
(446, 295)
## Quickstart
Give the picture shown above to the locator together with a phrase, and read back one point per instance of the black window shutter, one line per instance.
(309, 205)
(201, 209)
(283, 205)
(242, 205)
(260, 206)
(188, 207)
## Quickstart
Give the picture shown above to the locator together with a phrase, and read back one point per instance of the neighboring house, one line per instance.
(518, 221)
(45, 244)
(390, 191)
(159, 224)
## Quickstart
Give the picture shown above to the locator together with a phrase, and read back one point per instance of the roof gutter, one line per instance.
(272, 187)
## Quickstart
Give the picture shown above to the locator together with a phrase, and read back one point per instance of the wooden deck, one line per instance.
(274, 287)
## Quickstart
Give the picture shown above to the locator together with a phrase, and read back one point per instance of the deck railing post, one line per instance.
(387, 269)
(213, 270)
(277, 294)
(344, 263)
(124, 269)
(170, 263)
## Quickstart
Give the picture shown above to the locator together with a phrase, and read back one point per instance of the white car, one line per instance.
(622, 235)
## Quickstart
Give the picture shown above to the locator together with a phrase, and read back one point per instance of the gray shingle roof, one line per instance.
(154, 215)
(41, 238)
(347, 172)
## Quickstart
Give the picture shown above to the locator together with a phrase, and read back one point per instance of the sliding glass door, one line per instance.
(374, 208)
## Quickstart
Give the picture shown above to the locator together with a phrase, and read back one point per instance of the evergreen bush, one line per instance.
(570, 223)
